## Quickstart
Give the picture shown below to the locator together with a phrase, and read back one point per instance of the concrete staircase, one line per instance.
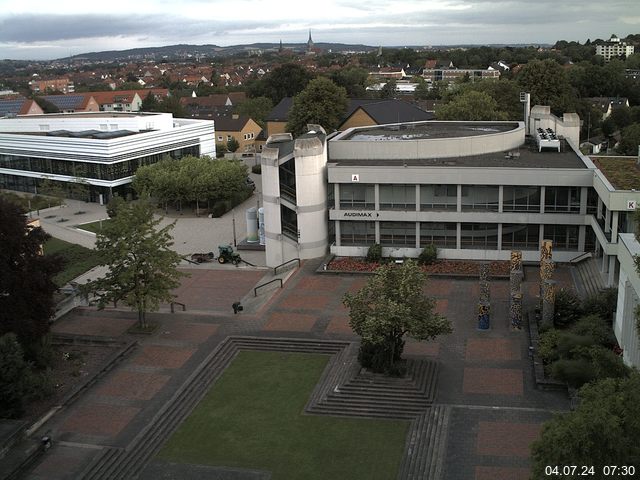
(366, 394)
(121, 464)
(343, 390)
(426, 445)
(589, 277)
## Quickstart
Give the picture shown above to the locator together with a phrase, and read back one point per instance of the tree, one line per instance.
(391, 305)
(142, 267)
(389, 89)
(548, 84)
(26, 283)
(257, 109)
(471, 105)
(150, 103)
(353, 79)
(285, 81)
(630, 140)
(232, 145)
(321, 102)
(15, 377)
(603, 430)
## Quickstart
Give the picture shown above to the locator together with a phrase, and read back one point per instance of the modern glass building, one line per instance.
(102, 150)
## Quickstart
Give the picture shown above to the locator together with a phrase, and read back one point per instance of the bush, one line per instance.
(428, 255)
(377, 358)
(568, 308)
(603, 304)
(548, 346)
(596, 328)
(374, 254)
(569, 343)
(574, 372)
(220, 208)
(257, 169)
(16, 378)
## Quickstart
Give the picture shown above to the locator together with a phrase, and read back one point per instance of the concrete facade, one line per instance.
(103, 150)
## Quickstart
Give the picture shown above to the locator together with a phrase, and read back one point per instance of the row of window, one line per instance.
(98, 171)
(473, 197)
(482, 236)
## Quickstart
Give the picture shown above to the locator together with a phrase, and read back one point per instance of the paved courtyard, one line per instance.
(485, 377)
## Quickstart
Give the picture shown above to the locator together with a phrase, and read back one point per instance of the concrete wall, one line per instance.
(311, 196)
(77, 122)
(628, 291)
(568, 126)
(428, 148)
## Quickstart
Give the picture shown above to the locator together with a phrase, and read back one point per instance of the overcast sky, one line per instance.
(45, 29)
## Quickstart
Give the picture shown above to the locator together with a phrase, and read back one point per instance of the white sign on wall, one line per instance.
(631, 204)
(355, 177)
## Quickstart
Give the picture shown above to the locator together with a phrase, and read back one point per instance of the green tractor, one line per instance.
(228, 255)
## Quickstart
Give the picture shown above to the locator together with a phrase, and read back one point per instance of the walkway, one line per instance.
(485, 379)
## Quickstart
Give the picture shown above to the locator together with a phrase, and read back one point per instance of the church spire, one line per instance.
(309, 42)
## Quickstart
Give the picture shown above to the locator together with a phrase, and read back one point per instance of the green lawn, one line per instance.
(93, 226)
(77, 259)
(253, 418)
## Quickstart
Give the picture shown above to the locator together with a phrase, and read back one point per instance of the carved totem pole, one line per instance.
(484, 304)
(547, 285)
(515, 283)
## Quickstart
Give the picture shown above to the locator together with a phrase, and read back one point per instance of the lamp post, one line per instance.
(233, 223)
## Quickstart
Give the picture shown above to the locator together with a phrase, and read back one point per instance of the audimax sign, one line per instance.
(361, 214)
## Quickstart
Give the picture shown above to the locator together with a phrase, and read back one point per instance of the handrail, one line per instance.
(579, 257)
(184, 307)
(190, 261)
(275, 269)
(255, 290)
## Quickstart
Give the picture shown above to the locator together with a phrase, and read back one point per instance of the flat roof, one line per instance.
(89, 115)
(428, 130)
(527, 156)
(622, 173)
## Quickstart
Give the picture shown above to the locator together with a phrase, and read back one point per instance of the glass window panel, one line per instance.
(358, 197)
(438, 197)
(440, 234)
(357, 233)
(520, 236)
(397, 197)
(398, 234)
(480, 197)
(479, 236)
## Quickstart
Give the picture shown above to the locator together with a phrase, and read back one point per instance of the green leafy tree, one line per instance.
(630, 140)
(603, 430)
(321, 102)
(548, 84)
(26, 282)
(150, 103)
(257, 109)
(471, 105)
(142, 267)
(353, 79)
(233, 145)
(285, 81)
(391, 305)
(389, 89)
(15, 377)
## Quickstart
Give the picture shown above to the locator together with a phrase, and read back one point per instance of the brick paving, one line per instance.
(493, 381)
(99, 420)
(133, 385)
(163, 356)
(501, 473)
(98, 326)
(290, 322)
(506, 439)
(484, 376)
(492, 349)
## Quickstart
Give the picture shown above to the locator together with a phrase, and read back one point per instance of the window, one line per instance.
(564, 237)
(521, 199)
(438, 197)
(562, 200)
(592, 201)
(229, 137)
(520, 236)
(355, 197)
(220, 138)
(289, 220)
(398, 234)
(482, 236)
(480, 197)
(440, 234)
(397, 197)
(357, 233)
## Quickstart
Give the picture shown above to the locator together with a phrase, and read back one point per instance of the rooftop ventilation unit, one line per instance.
(547, 139)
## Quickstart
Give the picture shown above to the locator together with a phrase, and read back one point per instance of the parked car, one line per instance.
(250, 184)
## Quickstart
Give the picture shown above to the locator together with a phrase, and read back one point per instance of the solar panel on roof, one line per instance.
(65, 102)
(10, 106)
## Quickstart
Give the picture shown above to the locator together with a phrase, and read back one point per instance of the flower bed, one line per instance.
(440, 267)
